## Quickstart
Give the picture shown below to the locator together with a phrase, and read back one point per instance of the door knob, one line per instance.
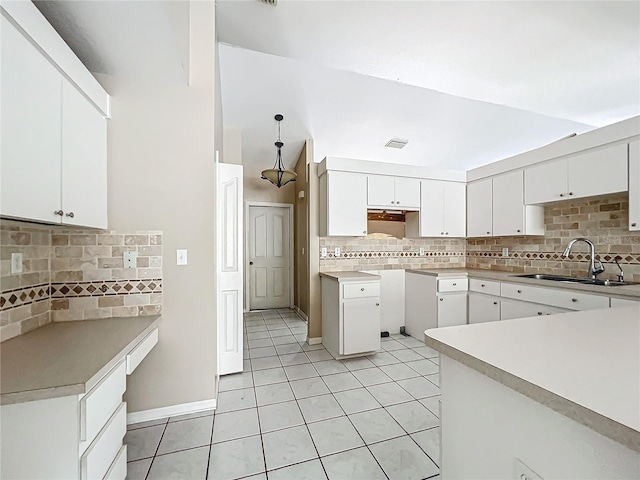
(250, 263)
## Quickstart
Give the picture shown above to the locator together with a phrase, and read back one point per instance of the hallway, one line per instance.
(295, 412)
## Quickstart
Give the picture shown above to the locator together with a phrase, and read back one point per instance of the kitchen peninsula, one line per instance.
(557, 393)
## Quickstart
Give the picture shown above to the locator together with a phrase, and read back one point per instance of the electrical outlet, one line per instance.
(130, 259)
(323, 252)
(421, 251)
(16, 263)
(505, 252)
(523, 472)
(337, 252)
(181, 257)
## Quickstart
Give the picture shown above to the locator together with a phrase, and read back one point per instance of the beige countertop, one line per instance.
(66, 358)
(350, 276)
(629, 291)
(584, 365)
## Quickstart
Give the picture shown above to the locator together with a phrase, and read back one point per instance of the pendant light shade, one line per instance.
(278, 175)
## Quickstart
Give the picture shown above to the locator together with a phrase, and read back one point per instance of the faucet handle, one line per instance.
(621, 273)
(598, 268)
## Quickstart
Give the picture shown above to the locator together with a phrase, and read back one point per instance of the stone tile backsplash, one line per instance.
(384, 252)
(75, 275)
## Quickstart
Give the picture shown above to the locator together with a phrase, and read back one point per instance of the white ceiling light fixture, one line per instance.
(397, 143)
(278, 175)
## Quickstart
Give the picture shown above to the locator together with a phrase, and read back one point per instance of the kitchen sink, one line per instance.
(584, 281)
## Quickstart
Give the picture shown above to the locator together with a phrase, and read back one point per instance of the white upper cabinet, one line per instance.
(393, 192)
(30, 105)
(84, 161)
(480, 208)
(596, 172)
(510, 216)
(442, 210)
(54, 139)
(634, 185)
(343, 204)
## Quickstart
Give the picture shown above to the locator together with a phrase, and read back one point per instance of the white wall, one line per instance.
(162, 177)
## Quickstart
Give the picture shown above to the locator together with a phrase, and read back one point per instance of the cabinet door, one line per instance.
(360, 325)
(598, 173)
(455, 209)
(30, 99)
(380, 191)
(431, 208)
(346, 204)
(479, 208)
(634, 185)
(407, 192)
(508, 204)
(452, 309)
(546, 182)
(84, 161)
(483, 308)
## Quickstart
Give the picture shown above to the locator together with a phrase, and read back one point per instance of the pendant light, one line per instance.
(278, 175)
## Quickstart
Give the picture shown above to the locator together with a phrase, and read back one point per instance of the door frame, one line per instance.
(248, 230)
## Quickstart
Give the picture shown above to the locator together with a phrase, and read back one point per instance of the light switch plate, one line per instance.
(337, 252)
(323, 252)
(421, 251)
(16, 263)
(181, 257)
(130, 259)
(505, 252)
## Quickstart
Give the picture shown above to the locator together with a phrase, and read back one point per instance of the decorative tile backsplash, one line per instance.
(603, 221)
(76, 275)
(383, 252)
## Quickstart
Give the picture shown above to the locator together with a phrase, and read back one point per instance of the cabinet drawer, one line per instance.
(484, 286)
(96, 461)
(453, 284)
(554, 297)
(100, 402)
(510, 309)
(357, 290)
(118, 469)
(623, 302)
(141, 350)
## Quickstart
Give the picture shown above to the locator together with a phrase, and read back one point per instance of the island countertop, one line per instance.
(584, 365)
(66, 358)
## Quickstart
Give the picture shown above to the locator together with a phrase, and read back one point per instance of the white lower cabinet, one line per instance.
(351, 315)
(483, 308)
(623, 302)
(516, 309)
(452, 309)
(70, 437)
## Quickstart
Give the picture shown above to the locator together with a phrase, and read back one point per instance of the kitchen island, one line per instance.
(559, 393)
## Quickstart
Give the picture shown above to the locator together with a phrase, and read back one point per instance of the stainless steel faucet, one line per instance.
(593, 270)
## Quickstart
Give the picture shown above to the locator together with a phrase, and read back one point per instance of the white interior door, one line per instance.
(269, 262)
(230, 270)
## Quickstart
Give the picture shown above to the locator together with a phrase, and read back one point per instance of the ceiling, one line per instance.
(466, 83)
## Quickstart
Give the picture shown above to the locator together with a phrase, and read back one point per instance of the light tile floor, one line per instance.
(297, 413)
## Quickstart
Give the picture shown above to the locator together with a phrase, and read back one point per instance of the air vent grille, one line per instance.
(397, 143)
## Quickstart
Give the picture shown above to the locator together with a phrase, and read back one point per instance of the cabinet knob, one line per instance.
(377, 304)
(441, 299)
(519, 291)
(250, 263)
(488, 233)
(634, 224)
(495, 303)
(570, 193)
(574, 300)
(562, 194)
(441, 233)
(70, 215)
(518, 231)
(455, 284)
(446, 233)
(482, 285)
(364, 231)
(540, 313)
(362, 289)
(58, 212)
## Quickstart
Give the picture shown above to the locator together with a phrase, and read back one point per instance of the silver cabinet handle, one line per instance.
(58, 212)
(70, 215)
(455, 284)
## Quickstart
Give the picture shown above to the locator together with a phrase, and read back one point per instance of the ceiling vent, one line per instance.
(397, 143)
(273, 3)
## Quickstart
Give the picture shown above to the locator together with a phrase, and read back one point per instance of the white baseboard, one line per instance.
(172, 411)
(302, 314)
(314, 340)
